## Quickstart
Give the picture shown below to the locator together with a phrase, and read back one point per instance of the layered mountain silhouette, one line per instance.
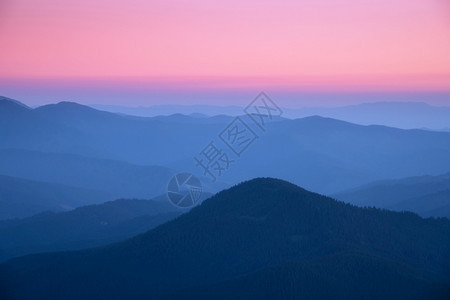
(9, 105)
(160, 110)
(264, 238)
(21, 198)
(327, 155)
(118, 179)
(406, 115)
(84, 227)
(429, 196)
(77, 129)
(321, 154)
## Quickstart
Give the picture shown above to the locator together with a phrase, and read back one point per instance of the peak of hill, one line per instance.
(324, 122)
(4, 99)
(71, 108)
(263, 196)
(255, 232)
(8, 105)
(406, 115)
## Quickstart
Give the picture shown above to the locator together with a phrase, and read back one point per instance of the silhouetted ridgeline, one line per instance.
(428, 196)
(21, 198)
(264, 238)
(84, 227)
(321, 154)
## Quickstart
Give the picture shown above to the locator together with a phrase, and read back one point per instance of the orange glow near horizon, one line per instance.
(349, 44)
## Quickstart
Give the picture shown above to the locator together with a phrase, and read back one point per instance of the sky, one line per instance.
(137, 52)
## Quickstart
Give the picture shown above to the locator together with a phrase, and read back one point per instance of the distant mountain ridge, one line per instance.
(21, 198)
(405, 115)
(83, 227)
(116, 178)
(240, 240)
(159, 110)
(321, 154)
(4, 101)
(426, 195)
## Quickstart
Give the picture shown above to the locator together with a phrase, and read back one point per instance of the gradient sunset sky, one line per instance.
(138, 52)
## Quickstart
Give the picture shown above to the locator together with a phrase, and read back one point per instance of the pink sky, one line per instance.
(291, 45)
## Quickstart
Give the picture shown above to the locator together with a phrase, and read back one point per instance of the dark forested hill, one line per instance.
(263, 238)
(84, 227)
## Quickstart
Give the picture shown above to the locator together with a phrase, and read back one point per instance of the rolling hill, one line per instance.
(116, 178)
(406, 115)
(21, 198)
(320, 154)
(428, 196)
(72, 128)
(83, 227)
(259, 239)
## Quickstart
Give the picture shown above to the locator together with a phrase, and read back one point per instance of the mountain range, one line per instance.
(261, 239)
(405, 115)
(62, 167)
(21, 198)
(122, 156)
(83, 227)
(429, 196)
(119, 179)
(321, 154)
